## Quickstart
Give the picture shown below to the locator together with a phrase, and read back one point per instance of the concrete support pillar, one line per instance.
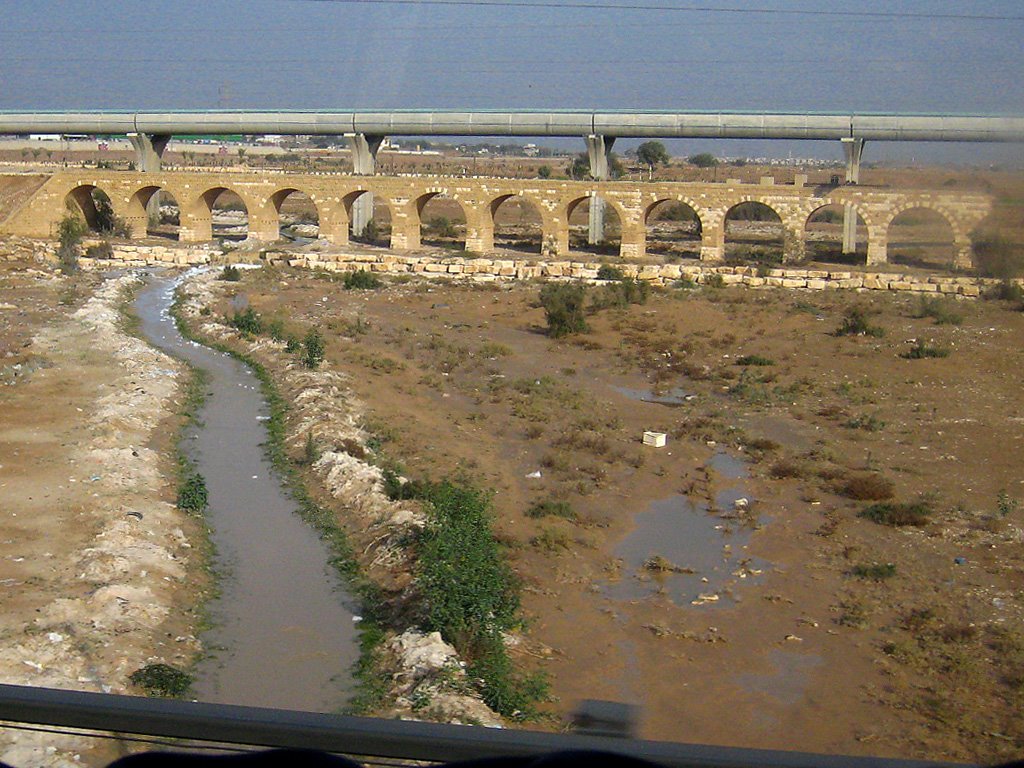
(853, 150)
(149, 149)
(598, 148)
(364, 163)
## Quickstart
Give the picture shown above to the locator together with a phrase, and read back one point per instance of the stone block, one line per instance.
(754, 281)
(970, 290)
(816, 284)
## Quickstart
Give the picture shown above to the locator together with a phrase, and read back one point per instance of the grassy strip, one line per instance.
(470, 594)
(371, 687)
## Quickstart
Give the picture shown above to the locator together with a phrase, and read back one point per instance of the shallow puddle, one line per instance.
(282, 635)
(674, 396)
(688, 553)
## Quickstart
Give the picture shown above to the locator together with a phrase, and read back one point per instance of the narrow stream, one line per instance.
(283, 632)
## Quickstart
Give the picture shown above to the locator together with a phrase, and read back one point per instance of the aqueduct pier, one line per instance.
(335, 197)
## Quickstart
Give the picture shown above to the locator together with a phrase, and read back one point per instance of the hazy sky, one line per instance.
(124, 54)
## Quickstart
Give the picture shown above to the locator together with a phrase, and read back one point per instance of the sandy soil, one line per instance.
(816, 652)
(93, 554)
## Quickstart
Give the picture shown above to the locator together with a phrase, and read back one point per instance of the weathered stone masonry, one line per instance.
(405, 196)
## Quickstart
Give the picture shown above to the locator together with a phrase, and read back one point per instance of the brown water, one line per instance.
(283, 628)
(710, 543)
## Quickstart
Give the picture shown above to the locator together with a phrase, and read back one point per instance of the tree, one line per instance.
(563, 308)
(703, 160)
(652, 153)
(544, 172)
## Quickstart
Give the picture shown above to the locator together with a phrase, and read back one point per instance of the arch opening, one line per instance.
(159, 209)
(518, 225)
(93, 206)
(754, 234)
(377, 230)
(298, 218)
(578, 219)
(823, 236)
(921, 237)
(442, 221)
(673, 229)
(229, 215)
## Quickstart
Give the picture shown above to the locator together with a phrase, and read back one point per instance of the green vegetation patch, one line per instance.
(915, 513)
(162, 680)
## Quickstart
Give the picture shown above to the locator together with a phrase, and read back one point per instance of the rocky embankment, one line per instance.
(96, 556)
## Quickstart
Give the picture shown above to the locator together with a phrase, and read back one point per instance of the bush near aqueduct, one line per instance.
(563, 308)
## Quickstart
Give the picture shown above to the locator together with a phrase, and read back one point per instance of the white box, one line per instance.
(657, 439)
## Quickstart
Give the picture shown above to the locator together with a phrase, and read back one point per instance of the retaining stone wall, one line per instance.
(483, 269)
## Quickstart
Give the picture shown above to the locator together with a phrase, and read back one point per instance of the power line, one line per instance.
(687, 9)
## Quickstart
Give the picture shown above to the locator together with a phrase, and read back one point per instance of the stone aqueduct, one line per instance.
(406, 196)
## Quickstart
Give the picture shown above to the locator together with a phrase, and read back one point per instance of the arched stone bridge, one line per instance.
(405, 196)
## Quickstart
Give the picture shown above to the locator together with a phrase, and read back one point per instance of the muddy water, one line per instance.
(283, 631)
(709, 547)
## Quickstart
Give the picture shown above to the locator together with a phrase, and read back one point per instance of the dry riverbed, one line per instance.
(93, 554)
(817, 629)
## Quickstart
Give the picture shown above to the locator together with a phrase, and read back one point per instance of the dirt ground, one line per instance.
(827, 632)
(93, 553)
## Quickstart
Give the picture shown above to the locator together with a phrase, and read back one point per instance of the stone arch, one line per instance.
(823, 234)
(530, 234)
(762, 236)
(198, 222)
(615, 219)
(154, 211)
(439, 207)
(94, 206)
(298, 214)
(380, 231)
(922, 235)
(681, 233)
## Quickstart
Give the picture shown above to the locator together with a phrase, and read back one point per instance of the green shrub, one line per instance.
(940, 310)
(915, 513)
(69, 234)
(754, 360)
(874, 571)
(314, 346)
(292, 344)
(504, 690)
(563, 308)
(192, 494)
(609, 272)
(621, 293)
(161, 680)
(997, 257)
(247, 321)
(561, 509)
(867, 487)
(231, 273)
(470, 593)
(922, 350)
(855, 323)
(361, 280)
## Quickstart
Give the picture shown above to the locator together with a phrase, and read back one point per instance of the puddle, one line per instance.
(283, 636)
(787, 682)
(674, 396)
(694, 543)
